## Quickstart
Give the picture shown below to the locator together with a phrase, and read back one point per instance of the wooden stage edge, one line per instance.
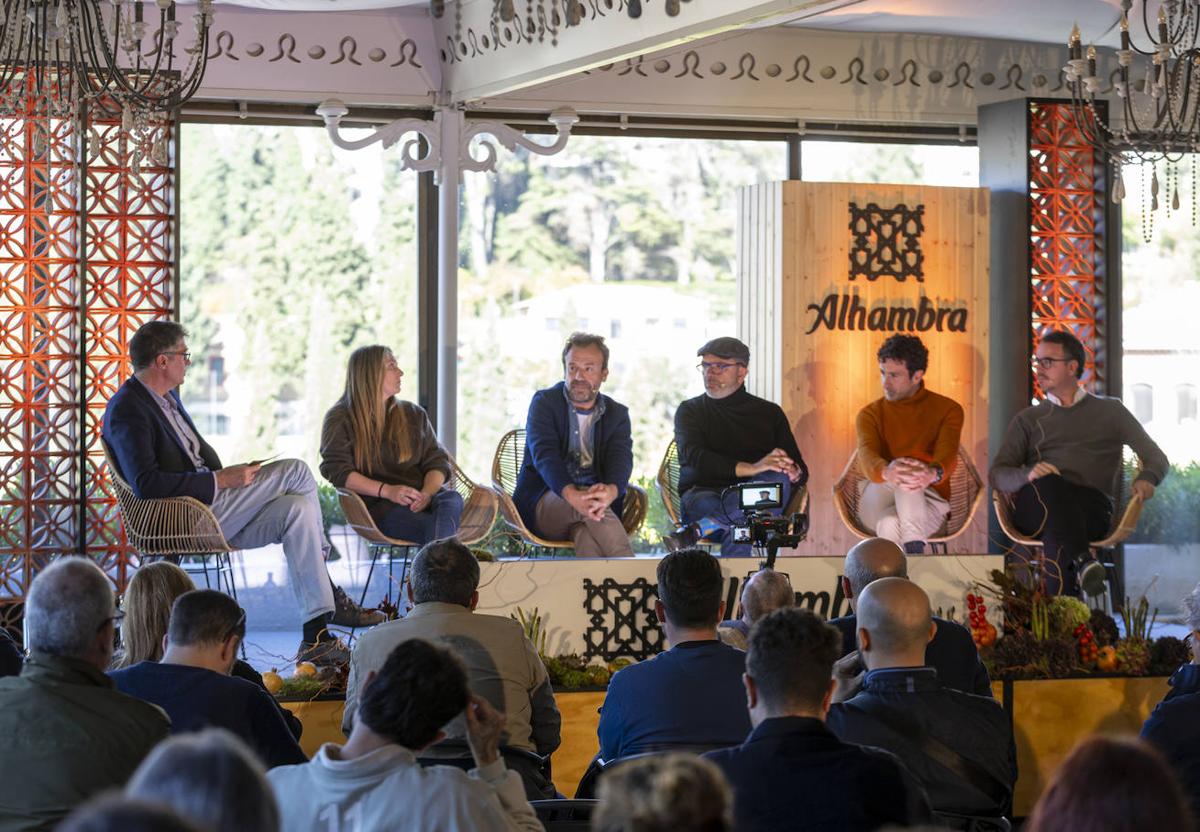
(1049, 717)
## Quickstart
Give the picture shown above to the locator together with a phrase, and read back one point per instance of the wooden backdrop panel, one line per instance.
(824, 377)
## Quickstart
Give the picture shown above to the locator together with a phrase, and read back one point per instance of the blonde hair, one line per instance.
(375, 424)
(664, 793)
(147, 606)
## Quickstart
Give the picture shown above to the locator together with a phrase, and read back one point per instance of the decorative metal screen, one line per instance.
(86, 255)
(1066, 226)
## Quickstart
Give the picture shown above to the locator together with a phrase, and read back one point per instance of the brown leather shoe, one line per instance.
(346, 613)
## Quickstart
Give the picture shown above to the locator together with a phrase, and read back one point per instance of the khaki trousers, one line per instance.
(902, 515)
(558, 520)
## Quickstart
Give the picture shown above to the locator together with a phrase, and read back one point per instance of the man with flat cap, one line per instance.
(725, 437)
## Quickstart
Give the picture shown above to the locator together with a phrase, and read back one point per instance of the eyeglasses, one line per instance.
(116, 618)
(187, 356)
(716, 367)
(238, 629)
(1047, 363)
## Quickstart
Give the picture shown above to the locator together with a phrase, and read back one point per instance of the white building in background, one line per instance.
(1162, 370)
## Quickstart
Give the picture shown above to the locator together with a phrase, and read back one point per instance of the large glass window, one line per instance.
(631, 238)
(901, 164)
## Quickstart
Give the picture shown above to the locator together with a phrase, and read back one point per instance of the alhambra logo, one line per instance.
(886, 242)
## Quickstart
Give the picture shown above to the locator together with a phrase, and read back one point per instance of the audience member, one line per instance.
(1174, 727)
(210, 778)
(1061, 459)
(375, 781)
(664, 793)
(192, 682)
(160, 453)
(115, 813)
(578, 456)
(11, 657)
(727, 436)
(147, 606)
(764, 592)
(1111, 784)
(952, 652)
(907, 449)
(792, 771)
(959, 746)
(384, 449)
(692, 693)
(502, 665)
(65, 732)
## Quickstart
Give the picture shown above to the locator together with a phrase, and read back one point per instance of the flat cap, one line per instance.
(726, 347)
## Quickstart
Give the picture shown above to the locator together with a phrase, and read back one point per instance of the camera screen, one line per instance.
(762, 495)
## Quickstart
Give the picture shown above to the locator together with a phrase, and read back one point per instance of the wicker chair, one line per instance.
(480, 507)
(667, 483)
(1124, 522)
(507, 464)
(178, 528)
(966, 491)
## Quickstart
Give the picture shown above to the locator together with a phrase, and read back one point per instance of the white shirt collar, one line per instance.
(1080, 394)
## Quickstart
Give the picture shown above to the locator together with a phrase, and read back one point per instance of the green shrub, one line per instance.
(1173, 516)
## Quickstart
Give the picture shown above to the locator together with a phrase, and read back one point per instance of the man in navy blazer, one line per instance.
(159, 452)
(578, 456)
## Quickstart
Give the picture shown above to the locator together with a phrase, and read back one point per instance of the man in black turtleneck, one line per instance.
(727, 436)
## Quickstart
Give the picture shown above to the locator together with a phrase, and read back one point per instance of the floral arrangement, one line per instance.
(1057, 636)
(570, 672)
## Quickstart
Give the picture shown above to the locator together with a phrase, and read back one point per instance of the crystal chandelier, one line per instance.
(57, 55)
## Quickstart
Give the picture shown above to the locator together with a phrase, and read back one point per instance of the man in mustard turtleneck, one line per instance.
(907, 449)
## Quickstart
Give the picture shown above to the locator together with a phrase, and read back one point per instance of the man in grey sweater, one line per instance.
(1062, 459)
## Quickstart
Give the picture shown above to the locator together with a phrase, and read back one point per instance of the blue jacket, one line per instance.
(952, 653)
(1174, 729)
(793, 773)
(149, 453)
(548, 442)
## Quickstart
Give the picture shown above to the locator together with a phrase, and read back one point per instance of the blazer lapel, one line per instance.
(157, 412)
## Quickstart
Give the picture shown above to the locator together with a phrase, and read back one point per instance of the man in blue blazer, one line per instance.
(578, 456)
(160, 453)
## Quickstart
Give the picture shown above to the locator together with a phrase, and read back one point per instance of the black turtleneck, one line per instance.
(714, 435)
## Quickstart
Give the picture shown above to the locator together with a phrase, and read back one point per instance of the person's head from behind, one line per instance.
(664, 793)
(869, 560)
(117, 813)
(789, 665)
(446, 572)
(895, 624)
(1117, 784)
(690, 591)
(71, 612)
(147, 606)
(765, 592)
(420, 688)
(903, 360)
(212, 779)
(205, 629)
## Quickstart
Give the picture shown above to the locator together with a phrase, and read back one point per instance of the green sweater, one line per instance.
(1085, 442)
(66, 734)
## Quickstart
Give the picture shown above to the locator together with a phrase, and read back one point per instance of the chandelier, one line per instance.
(542, 17)
(117, 57)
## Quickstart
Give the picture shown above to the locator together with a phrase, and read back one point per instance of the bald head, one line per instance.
(766, 591)
(872, 559)
(898, 621)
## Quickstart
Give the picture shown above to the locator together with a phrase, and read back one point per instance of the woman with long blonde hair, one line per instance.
(384, 449)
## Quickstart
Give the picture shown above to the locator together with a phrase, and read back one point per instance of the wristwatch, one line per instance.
(939, 470)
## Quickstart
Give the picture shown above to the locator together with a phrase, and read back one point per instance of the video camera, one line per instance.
(762, 529)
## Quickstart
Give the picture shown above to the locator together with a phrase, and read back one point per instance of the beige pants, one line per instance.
(558, 520)
(901, 515)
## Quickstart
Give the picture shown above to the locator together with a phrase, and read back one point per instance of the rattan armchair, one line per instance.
(172, 528)
(506, 464)
(966, 491)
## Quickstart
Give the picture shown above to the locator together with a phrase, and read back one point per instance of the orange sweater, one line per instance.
(925, 426)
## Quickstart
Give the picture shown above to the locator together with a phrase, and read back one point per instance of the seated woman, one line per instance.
(384, 449)
(147, 606)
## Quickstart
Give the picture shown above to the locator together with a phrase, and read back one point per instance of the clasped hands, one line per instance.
(406, 495)
(592, 501)
(777, 460)
(910, 474)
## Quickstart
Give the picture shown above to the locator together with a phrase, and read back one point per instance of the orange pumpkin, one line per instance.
(1106, 659)
(987, 635)
(272, 681)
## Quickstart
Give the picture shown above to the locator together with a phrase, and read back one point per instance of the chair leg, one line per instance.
(940, 548)
(374, 549)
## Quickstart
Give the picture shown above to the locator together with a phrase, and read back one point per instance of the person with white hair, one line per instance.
(65, 732)
(1174, 726)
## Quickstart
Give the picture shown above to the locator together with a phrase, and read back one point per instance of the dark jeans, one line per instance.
(1066, 517)
(698, 503)
(439, 519)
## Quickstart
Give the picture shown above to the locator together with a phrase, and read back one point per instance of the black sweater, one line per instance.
(714, 435)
